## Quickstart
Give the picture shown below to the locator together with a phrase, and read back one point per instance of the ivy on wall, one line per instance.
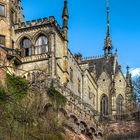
(20, 122)
(15, 86)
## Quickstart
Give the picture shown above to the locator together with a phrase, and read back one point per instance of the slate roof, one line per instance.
(102, 64)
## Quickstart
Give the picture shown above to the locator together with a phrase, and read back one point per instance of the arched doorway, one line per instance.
(104, 105)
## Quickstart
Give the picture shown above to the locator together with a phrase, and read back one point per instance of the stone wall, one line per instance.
(123, 130)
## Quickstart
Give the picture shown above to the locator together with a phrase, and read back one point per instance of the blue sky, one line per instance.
(87, 25)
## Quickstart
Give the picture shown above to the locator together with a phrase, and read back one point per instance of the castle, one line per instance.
(96, 84)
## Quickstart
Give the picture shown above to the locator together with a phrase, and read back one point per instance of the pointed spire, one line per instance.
(108, 22)
(65, 16)
(108, 41)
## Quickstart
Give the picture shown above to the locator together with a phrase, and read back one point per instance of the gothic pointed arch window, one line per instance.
(41, 45)
(26, 47)
(119, 104)
(104, 105)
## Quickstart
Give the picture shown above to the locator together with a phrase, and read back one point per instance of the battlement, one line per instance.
(37, 22)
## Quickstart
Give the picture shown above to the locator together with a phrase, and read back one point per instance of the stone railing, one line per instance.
(92, 57)
(128, 116)
(131, 116)
(33, 58)
(79, 104)
(13, 53)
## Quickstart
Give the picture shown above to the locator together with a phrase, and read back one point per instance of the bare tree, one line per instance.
(136, 85)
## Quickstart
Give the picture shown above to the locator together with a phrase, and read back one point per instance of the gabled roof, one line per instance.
(103, 64)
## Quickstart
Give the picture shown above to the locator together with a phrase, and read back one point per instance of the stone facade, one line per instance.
(94, 86)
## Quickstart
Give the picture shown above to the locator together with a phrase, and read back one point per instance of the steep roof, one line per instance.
(107, 64)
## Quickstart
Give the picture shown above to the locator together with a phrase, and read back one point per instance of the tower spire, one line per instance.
(108, 41)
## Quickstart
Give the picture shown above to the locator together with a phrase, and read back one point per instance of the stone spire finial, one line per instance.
(127, 72)
(108, 41)
(127, 68)
(116, 51)
(65, 16)
(65, 10)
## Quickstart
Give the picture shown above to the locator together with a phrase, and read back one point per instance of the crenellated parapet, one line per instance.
(39, 22)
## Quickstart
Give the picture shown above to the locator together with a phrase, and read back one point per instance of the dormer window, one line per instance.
(2, 10)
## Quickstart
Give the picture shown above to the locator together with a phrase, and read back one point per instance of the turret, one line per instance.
(65, 17)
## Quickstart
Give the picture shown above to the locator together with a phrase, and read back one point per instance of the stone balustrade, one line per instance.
(33, 58)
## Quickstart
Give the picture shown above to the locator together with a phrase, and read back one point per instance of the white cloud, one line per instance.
(135, 72)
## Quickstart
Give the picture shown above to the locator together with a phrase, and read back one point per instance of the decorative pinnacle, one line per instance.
(127, 68)
(65, 10)
(127, 71)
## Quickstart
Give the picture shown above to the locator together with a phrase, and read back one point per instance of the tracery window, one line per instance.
(104, 105)
(26, 46)
(41, 45)
(2, 10)
(119, 102)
